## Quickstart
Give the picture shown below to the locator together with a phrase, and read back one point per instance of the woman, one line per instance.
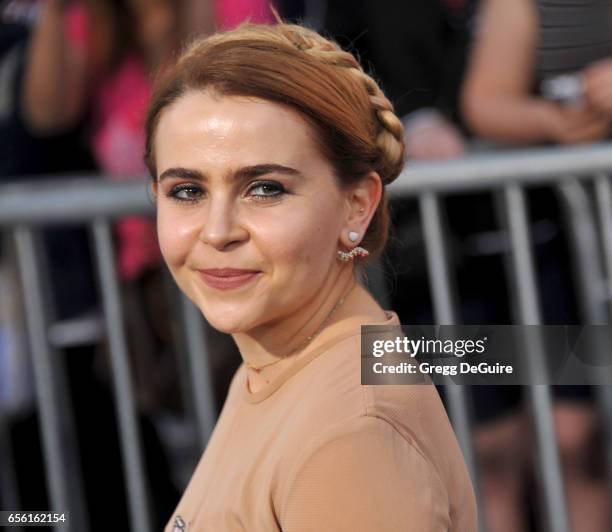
(269, 149)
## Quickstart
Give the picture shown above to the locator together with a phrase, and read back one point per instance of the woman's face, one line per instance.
(242, 185)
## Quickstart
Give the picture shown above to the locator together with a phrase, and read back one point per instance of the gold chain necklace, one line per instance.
(257, 369)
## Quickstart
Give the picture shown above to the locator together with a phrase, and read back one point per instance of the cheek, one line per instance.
(302, 240)
(174, 240)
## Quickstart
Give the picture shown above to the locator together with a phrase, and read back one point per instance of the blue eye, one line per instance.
(185, 192)
(269, 189)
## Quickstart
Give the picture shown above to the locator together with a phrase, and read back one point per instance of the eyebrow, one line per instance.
(241, 174)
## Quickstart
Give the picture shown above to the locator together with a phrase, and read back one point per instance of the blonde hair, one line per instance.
(355, 124)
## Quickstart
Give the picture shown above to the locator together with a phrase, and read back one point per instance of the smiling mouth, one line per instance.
(226, 279)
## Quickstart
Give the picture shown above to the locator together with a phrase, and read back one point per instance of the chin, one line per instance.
(223, 314)
(224, 326)
(231, 321)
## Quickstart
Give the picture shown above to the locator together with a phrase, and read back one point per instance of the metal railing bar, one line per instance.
(583, 239)
(53, 201)
(9, 488)
(603, 195)
(494, 169)
(200, 373)
(442, 291)
(603, 192)
(125, 407)
(445, 313)
(56, 425)
(179, 335)
(540, 402)
(9, 494)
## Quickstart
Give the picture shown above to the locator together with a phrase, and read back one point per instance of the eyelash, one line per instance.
(173, 194)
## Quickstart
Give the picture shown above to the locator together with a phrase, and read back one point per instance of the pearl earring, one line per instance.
(357, 251)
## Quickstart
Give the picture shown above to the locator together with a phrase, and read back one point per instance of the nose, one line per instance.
(221, 225)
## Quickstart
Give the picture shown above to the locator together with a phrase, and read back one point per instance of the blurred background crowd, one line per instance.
(465, 76)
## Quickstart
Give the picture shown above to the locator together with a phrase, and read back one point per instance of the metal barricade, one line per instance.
(95, 202)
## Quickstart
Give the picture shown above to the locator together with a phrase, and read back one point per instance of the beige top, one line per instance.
(317, 451)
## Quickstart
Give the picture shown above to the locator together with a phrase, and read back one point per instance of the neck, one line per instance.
(280, 344)
(272, 342)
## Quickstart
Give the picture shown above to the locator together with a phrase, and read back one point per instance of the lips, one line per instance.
(226, 272)
(227, 278)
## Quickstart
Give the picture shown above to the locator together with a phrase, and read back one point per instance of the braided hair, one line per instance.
(355, 126)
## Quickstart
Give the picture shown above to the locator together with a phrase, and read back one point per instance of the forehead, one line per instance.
(202, 126)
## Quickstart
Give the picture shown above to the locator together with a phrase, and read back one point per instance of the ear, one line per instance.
(361, 202)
